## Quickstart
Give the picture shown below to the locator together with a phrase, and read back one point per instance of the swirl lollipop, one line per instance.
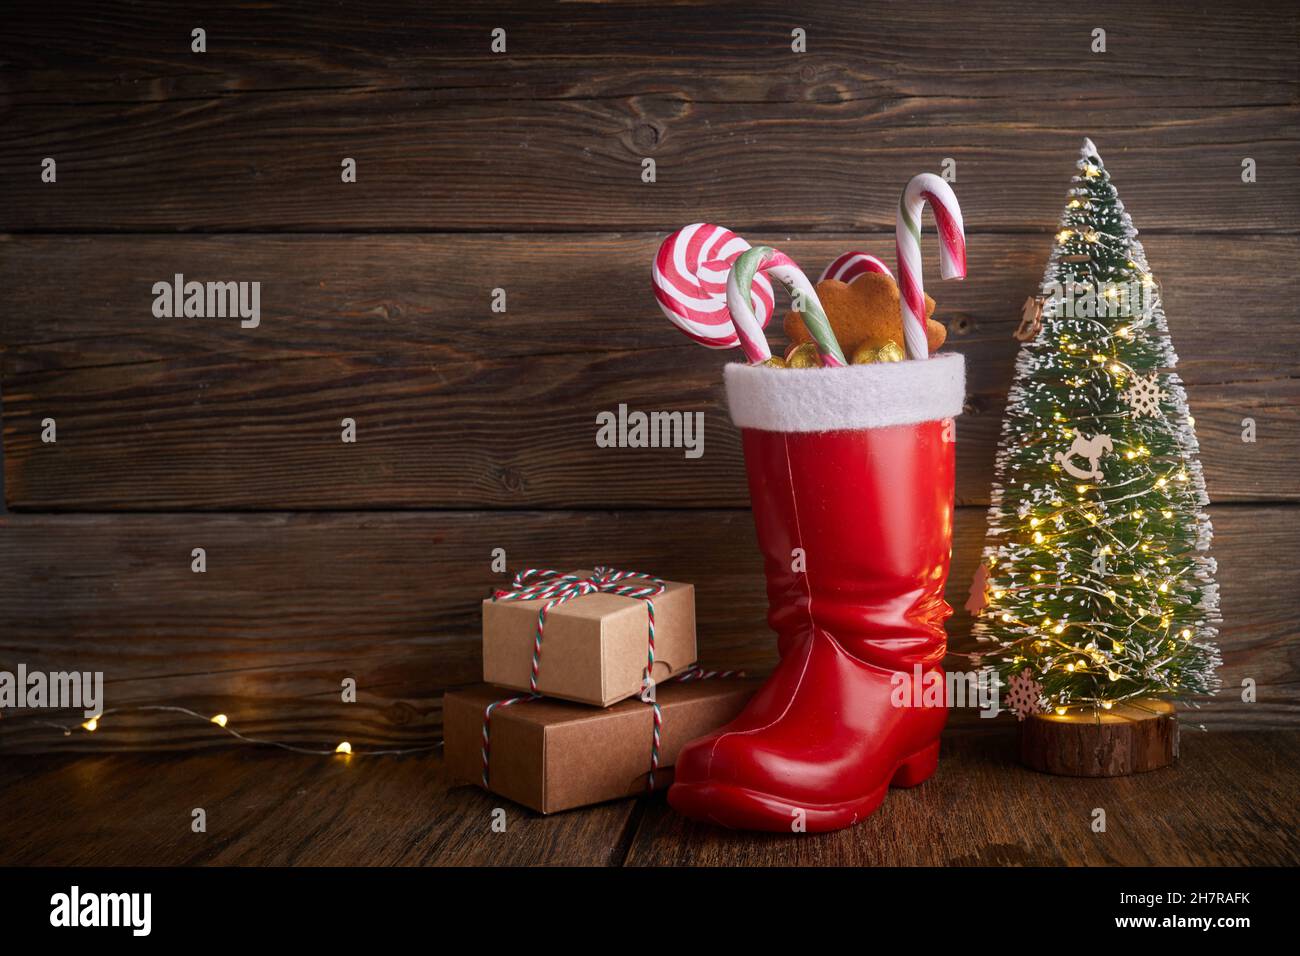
(690, 283)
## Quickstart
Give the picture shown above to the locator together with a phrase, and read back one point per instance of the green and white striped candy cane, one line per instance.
(781, 267)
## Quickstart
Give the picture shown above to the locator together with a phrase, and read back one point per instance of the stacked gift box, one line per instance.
(591, 690)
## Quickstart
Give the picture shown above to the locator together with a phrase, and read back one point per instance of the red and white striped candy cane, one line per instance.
(853, 264)
(923, 188)
(690, 283)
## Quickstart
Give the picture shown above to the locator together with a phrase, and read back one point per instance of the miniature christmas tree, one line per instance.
(1099, 586)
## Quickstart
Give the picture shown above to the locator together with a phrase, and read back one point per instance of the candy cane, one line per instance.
(690, 282)
(853, 264)
(923, 188)
(782, 268)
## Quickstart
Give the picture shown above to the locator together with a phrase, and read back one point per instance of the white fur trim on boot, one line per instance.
(840, 399)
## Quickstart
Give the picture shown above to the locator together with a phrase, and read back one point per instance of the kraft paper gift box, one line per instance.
(594, 647)
(552, 755)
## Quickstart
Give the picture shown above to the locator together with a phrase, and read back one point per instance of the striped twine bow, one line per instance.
(647, 695)
(557, 587)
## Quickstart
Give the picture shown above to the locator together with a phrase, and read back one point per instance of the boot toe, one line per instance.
(695, 762)
(719, 780)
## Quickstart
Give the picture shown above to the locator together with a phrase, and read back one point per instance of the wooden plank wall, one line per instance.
(476, 429)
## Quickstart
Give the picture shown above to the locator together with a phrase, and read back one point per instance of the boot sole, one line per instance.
(740, 808)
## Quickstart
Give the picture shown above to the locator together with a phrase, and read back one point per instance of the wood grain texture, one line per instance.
(271, 809)
(510, 162)
(292, 604)
(1230, 800)
(400, 45)
(551, 135)
(1134, 737)
(458, 407)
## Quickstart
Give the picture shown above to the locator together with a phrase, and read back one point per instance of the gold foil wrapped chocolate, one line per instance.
(869, 353)
(804, 356)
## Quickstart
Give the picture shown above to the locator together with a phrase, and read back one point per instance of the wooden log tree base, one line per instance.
(1133, 737)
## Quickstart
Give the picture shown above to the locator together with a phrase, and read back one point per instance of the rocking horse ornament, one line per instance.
(1090, 448)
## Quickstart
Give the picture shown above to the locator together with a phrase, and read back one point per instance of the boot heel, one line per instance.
(917, 768)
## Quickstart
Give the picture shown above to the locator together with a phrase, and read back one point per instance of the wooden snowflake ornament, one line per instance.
(1023, 694)
(1144, 396)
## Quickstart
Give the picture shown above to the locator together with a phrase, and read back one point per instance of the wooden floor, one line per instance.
(1232, 800)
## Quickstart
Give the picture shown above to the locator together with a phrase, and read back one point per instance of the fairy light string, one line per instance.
(553, 585)
(1102, 589)
(222, 722)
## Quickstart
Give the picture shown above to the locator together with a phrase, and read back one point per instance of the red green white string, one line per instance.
(558, 587)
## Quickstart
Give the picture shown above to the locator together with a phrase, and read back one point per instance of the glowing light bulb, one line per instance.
(1063, 235)
(219, 720)
(1185, 633)
(343, 748)
(1038, 537)
(91, 724)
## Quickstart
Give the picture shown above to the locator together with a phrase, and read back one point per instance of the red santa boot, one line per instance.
(851, 479)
